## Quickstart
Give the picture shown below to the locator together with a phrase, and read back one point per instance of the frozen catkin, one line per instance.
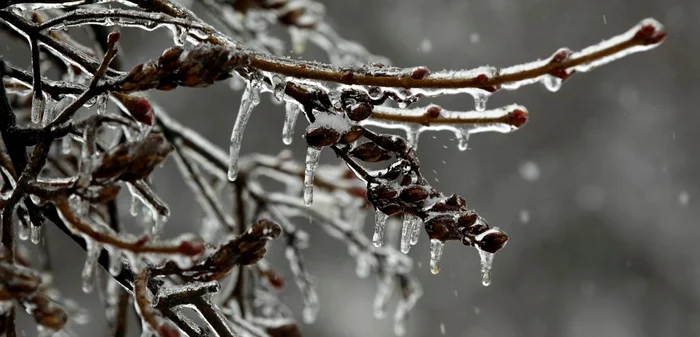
(85, 141)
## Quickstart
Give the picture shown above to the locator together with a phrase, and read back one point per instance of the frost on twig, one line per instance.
(70, 169)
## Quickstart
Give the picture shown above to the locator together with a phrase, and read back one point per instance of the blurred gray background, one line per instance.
(599, 191)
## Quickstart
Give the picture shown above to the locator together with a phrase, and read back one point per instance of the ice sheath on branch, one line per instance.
(57, 165)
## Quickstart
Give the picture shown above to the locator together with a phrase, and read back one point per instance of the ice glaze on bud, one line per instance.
(492, 241)
(322, 136)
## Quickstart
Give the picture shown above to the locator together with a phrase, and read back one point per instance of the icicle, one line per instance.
(135, 204)
(486, 263)
(35, 235)
(66, 145)
(462, 139)
(24, 226)
(436, 248)
(249, 100)
(412, 135)
(299, 37)
(93, 253)
(38, 105)
(415, 231)
(115, 261)
(385, 286)
(480, 99)
(313, 155)
(290, 118)
(179, 35)
(278, 85)
(410, 228)
(379, 227)
(49, 112)
(102, 104)
(159, 221)
(552, 83)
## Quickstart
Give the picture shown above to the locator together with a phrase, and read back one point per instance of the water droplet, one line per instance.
(552, 83)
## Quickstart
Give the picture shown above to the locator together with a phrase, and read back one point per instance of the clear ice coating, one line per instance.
(313, 155)
(486, 263)
(380, 219)
(436, 248)
(292, 111)
(249, 100)
(462, 123)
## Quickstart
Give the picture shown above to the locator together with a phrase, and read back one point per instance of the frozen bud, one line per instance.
(390, 208)
(353, 134)
(517, 118)
(133, 161)
(166, 330)
(169, 60)
(433, 111)
(493, 241)
(191, 248)
(456, 201)
(113, 37)
(442, 227)
(419, 73)
(360, 111)
(392, 143)
(291, 17)
(370, 152)
(382, 192)
(468, 219)
(138, 107)
(322, 136)
(413, 194)
(46, 313)
(649, 34)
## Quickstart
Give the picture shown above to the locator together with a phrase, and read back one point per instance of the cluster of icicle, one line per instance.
(411, 228)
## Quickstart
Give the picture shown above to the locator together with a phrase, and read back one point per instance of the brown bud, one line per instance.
(382, 192)
(322, 136)
(360, 111)
(133, 161)
(493, 242)
(456, 201)
(413, 194)
(420, 72)
(433, 111)
(468, 219)
(442, 227)
(391, 208)
(370, 152)
(355, 132)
